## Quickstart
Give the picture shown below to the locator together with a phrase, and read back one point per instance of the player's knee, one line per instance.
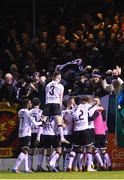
(89, 149)
(58, 120)
(103, 150)
(59, 150)
(75, 149)
(31, 151)
(40, 151)
(25, 149)
(80, 149)
(68, 150)
(72, 154)
(48, 151)
(96, 150)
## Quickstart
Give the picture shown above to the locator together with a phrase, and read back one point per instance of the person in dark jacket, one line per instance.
(9, 89)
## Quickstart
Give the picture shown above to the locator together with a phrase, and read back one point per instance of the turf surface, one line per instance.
(61, 175)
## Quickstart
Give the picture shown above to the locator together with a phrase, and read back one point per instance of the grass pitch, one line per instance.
(64, 175)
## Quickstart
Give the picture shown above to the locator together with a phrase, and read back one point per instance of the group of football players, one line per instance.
(74, 129)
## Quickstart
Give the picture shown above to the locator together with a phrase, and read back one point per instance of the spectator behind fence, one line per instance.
(9, 89)
(113, 82)
(91, 84)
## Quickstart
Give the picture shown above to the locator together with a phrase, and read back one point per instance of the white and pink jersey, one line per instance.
(80, 117)
(36, 113)
(100, 125)
(50, 127)
(68, 120)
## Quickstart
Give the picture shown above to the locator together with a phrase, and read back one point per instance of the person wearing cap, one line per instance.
(96, 85)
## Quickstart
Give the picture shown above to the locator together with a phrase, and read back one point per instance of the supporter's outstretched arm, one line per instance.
(120, 81)
(107, 87)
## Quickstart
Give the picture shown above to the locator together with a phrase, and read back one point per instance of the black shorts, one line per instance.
(92, 135)
(52, 109)
(33, 139)
(51, 141)
(41, 144)
(82, 138)
(25, 141)
(100, 141)
(68, 138)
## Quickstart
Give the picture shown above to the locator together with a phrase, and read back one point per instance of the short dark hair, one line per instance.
(56, 74)
(36, 102)
(25, 103)
(85, 99)
(78, 100)
(65, 102)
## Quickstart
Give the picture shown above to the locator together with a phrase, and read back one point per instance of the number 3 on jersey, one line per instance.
(52, 90)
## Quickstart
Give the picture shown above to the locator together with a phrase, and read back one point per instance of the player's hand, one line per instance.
(100, 108)
(118, 69)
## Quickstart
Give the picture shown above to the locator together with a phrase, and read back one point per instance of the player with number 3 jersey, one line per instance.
(54, 97)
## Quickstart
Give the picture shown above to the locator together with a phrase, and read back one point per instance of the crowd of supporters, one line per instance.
(96, 38)
(60, 42)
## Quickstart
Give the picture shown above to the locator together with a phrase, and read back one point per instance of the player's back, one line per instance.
(36, 113)
(24, 123)
(50, 127)
(68, 120)
(80, 117)
(53, 92)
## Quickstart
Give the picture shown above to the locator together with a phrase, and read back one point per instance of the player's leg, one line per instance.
(57, 150)
(48, 150)
(46, 113)
(59, 121)
(30, 158)
(106, 158)
(80, 158)
(40, 154)
(88, 142)
(39, 159)
(66, 152)
(31, 151)
(89, 157)
(97, 153)
(56, 113)
(54, 157)
(66, 159)
(25, 144)
(76, 141)
(48, 155)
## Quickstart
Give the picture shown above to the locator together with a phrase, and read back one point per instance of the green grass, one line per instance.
(61, 175)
